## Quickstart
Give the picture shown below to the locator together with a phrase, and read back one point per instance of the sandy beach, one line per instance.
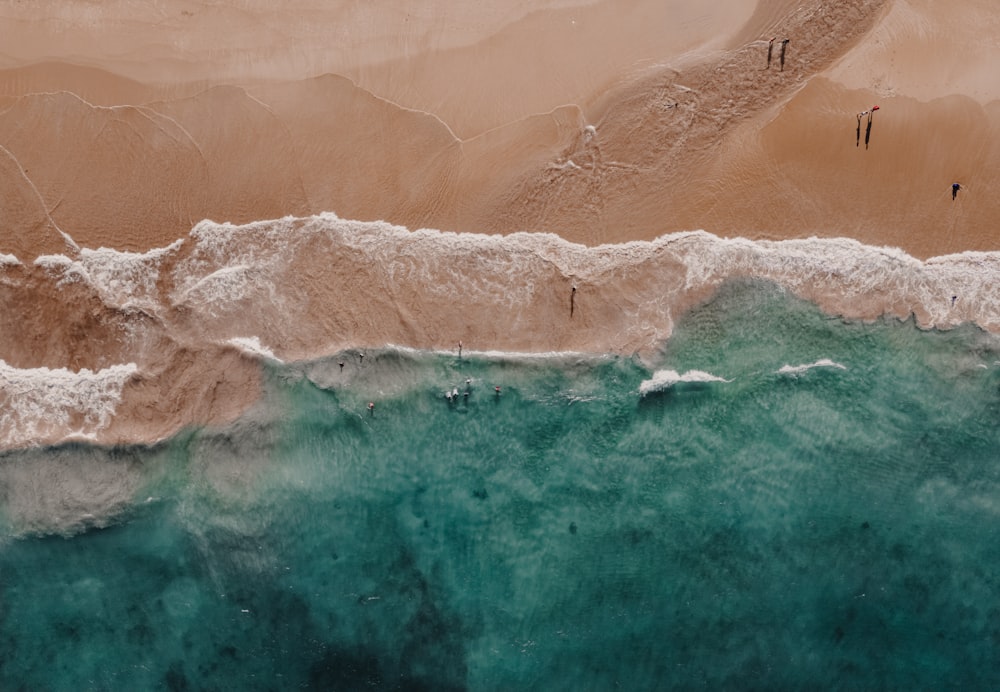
(544, 144)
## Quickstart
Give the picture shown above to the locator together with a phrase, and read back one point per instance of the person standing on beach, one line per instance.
(781, 56)
(955, 187)
(770, 50)
(868, 130)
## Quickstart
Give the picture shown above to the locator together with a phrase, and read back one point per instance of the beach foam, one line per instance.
(37, 402)
(311, 287)
(253, 346)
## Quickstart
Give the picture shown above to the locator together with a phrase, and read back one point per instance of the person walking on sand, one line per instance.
(955, 187)
(781, 56)
(770, 51)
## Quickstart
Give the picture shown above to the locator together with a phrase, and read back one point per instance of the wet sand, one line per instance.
(583, 124)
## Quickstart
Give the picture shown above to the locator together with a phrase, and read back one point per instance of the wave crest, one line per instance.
(665, 379)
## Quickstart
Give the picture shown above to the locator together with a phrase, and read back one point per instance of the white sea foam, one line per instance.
(222, 287)
(283, 281)
(9, 260)
(532, 356)
(497, 355)
(231, 262)
(42, 403)
(858, 272)
(466, 352)
(253, 346)
(799, 369)
(665, 379)
(59, 265)
(273, 266)
(126, 279)
(123, 280)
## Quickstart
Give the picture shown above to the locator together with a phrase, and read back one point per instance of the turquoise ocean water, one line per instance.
(815, 527)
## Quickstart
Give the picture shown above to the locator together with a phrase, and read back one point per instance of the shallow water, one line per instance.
(832, 525)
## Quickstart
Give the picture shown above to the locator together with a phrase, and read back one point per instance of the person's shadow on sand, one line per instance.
(868, 130)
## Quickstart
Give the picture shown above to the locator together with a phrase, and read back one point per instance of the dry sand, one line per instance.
(123, 125)
(466, 120)
(473, 120)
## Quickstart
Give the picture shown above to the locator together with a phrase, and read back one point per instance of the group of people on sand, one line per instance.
(955, 187)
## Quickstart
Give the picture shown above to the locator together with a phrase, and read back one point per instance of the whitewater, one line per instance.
(304, 288)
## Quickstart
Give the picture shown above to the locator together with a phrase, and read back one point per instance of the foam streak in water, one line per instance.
(800, 369)
(664, 379)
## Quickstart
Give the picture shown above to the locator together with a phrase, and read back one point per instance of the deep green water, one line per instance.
(831, 529)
